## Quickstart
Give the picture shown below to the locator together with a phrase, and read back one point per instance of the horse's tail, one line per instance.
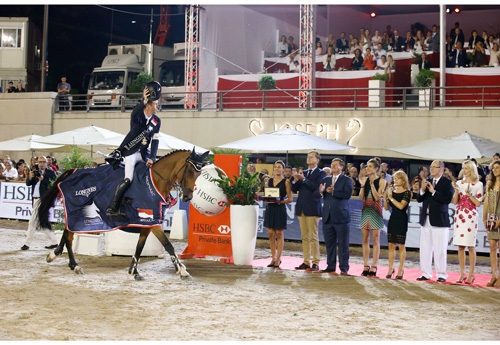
(47, 201)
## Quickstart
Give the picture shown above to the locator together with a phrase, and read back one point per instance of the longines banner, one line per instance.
(15, 203)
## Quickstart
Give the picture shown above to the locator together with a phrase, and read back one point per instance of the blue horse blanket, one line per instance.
(87, 194)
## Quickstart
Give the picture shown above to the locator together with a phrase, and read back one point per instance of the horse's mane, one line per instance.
(172, 152)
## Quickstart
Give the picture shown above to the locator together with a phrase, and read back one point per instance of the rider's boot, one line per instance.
(114, 207)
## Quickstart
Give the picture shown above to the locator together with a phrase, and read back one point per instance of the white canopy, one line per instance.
(456, 147)
(285, 140)
(79, 136)
(26, 143)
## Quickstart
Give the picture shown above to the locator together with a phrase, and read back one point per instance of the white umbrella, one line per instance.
(26, 143)
(285, 140)
(166, 142)
(456, 147)
(79, 136)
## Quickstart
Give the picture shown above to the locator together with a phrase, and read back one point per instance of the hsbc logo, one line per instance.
(224, 229)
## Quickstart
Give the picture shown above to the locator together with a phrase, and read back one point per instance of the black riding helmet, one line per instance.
(154, 90)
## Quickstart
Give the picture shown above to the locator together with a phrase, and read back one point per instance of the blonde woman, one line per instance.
(372, 188)
(398, 199)
(275, 216)
(468, 196)
(491, 219)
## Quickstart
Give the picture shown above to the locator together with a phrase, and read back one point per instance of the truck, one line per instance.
(109, 84)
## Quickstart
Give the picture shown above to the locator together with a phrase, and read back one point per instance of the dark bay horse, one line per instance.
(176, 170)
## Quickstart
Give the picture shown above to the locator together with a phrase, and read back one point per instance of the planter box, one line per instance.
(124, 243)
(83, 244)
(376, 97)
(425, 96)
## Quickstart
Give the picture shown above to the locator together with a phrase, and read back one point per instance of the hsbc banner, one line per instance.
(16, 203)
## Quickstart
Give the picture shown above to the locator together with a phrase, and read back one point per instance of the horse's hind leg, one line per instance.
(73, 265)
(134, 265)
(58, 251)
(179, 266)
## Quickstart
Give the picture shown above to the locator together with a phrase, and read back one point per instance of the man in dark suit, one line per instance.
(336, 191)
(399, 44)
(435, 195)
(424, 63)
(39, 180)
(308, 209)
(459, 56)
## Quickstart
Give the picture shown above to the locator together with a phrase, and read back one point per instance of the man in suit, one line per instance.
(435, 195)
(459, 56)
(308, 209)
(435, 41)
(39, 180)
(399, 44)
(336, 191)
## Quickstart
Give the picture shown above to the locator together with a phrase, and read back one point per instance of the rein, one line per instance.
(174, 185)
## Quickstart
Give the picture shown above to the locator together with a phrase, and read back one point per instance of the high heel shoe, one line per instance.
(401, 276)
(373, 273)
(366, 271)
(461, 279)
(389, 276)
(469, 281)
(278, 265)
(491, 282)
(271, 264)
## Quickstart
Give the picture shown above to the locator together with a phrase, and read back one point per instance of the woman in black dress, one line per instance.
(398, 199)
(275, 216)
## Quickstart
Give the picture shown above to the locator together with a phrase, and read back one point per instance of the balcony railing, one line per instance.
(478, 97)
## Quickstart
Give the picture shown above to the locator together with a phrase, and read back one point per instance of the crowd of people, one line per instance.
(20, 171)
(372, 51)
(324, 194)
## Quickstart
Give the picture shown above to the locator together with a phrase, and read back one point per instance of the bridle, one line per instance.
(179, 185)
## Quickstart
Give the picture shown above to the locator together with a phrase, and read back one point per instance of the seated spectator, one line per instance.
(11, 88)
(409, 42)
(20, 87)
(2, 169)
(292, 47)
(376, 39)
(294, 67)
(319, 48)
(342, 44)
(428, 41)
(459, 56)
(329, 60)
(386, 41)
(458, 36)
(369, 61)
(283, 47)
(419, 45)
(330, 43)
(475, 38)
(23, 176)
(10, 173)
(356, 45)
(351, 43)
(494, 55)
(478, 55)
(380, 51)
(251, 168)
(424, 63)
(382, 63)
(357, 60)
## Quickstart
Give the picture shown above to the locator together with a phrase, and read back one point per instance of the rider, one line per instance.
(144, 133)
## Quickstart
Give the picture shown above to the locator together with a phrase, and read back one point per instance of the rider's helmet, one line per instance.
(154, 90)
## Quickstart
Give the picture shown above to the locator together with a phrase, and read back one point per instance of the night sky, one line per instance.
(78, 35)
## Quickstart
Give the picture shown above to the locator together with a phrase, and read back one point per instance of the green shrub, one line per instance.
(425, 77)
(266, 82)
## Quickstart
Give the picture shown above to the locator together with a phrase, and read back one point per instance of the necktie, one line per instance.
(434, 181)
(334, 179)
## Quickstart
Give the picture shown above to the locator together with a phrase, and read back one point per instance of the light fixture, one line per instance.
(373, 14)
(133, 21)
(456, 10)
(447, 10)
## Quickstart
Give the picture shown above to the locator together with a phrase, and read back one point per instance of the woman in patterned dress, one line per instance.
(275, 216)
(491, 206)
(468, 196)
(398, 199)
(372, 188)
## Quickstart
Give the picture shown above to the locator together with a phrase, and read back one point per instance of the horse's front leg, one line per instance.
(66, 240)
(179, 266)
(138, 250)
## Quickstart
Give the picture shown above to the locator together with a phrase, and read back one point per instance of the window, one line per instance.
(11, 37)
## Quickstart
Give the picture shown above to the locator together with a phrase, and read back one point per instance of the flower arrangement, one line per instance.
(240, 190)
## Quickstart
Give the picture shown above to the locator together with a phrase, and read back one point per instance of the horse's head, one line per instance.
(183, 168)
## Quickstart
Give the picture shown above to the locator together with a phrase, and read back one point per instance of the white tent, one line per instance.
(26, 143)
(456, 147)
(286, 140)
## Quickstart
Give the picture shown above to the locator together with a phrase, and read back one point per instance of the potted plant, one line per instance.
(376, 92)
(425, 79)
(266, 82)
(241, 192)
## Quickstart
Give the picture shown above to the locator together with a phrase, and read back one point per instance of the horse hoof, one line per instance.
(50, 257)
(186, 277)
(78, 270)
(138, 277)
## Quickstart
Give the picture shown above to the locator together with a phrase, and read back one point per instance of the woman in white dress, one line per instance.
(494, 55)
(468, 196)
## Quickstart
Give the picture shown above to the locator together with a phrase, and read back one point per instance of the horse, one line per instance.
(176, 170)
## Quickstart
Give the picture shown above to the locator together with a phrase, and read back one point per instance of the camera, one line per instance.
(37, 173)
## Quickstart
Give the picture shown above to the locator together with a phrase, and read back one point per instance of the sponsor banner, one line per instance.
(16, 202)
